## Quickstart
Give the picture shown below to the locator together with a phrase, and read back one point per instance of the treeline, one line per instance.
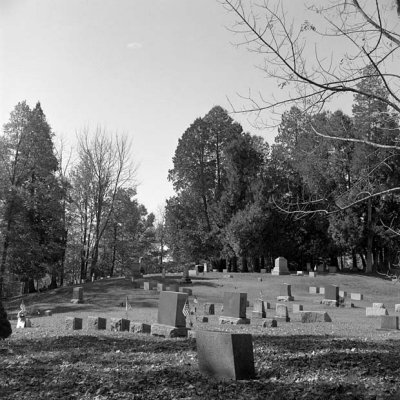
(67, 216)
(315, 194)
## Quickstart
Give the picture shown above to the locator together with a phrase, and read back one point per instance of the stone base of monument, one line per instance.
(258, 314)
(234, 321)
(276, 273)
(281, 319)
(168, 331)
(285, 298)
(76, 301)
(330, 303)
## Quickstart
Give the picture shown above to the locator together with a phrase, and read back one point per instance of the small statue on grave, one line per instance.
(23, 321)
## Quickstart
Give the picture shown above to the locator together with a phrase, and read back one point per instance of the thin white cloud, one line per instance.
(134, 45)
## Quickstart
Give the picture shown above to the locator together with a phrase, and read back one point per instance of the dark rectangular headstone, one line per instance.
(332, 292)
(235, 304)
(225, 355)
(170, 309)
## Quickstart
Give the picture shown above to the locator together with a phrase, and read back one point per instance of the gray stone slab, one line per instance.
(209, 308)
(233, 320)
(314, 316)
(119, 324)
(168, 331)
(224, 355)
(375, 312)
(140, 327)
(235, 304)
(332, 292)
(297, 308)
(73, 323)
(170, 309)
(389, 322)
(96, 323)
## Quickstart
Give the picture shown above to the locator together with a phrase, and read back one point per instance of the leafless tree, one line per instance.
(294, 52)
(104, 166)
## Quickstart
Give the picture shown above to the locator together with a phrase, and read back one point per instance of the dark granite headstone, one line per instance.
(170, 309)
(97, 323)
(119, 324)
(235, 304)
(332, 292)
(73, 323)
(225, 355)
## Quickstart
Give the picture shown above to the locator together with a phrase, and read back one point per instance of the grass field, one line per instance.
(346, 359)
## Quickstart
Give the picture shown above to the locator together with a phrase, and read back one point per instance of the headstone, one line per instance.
(174, 287)
(285, 293)
(332, 269)
(77, 295)
(320, 268)
(342, 294)
(48, 313)
(331, 295)
(378, 305)
(397, 308)
(297, 308)
(97, 323)
(263, 271)
(389, 322)
(267, 305)
(313, 290)
(281, 313)
(200, 268)
(73, 323)
(22, 320)
(300, 273)
(312, 274)
(258, 309)
(322, 290)
(149, 285)
(192, 272)
(356, 296)
(186, 290)
(171, 321)
(228, 276)
(308, 265)
(314, 316)
(259, 279)
(135, 270)
(281, 267)
(375, 312)
(224, 271)
(185, 275)
(139, 327)
(224, 355)
(119, 324)
(209, 309)
(234, 308)
(201, 318)
(161, 287)
(270, 324)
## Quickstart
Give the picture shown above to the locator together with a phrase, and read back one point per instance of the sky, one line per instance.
(140, 68)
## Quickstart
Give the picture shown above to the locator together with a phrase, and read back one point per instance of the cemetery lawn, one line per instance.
(349, 358)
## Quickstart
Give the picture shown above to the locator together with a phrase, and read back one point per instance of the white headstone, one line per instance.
(281, 267)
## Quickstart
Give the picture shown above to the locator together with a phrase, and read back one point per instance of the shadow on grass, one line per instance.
(148, 367)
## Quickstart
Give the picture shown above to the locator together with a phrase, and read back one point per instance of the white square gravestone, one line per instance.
(281, 267)
(282, 313)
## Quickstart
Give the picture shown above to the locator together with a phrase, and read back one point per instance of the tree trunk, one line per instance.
(370, 239)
